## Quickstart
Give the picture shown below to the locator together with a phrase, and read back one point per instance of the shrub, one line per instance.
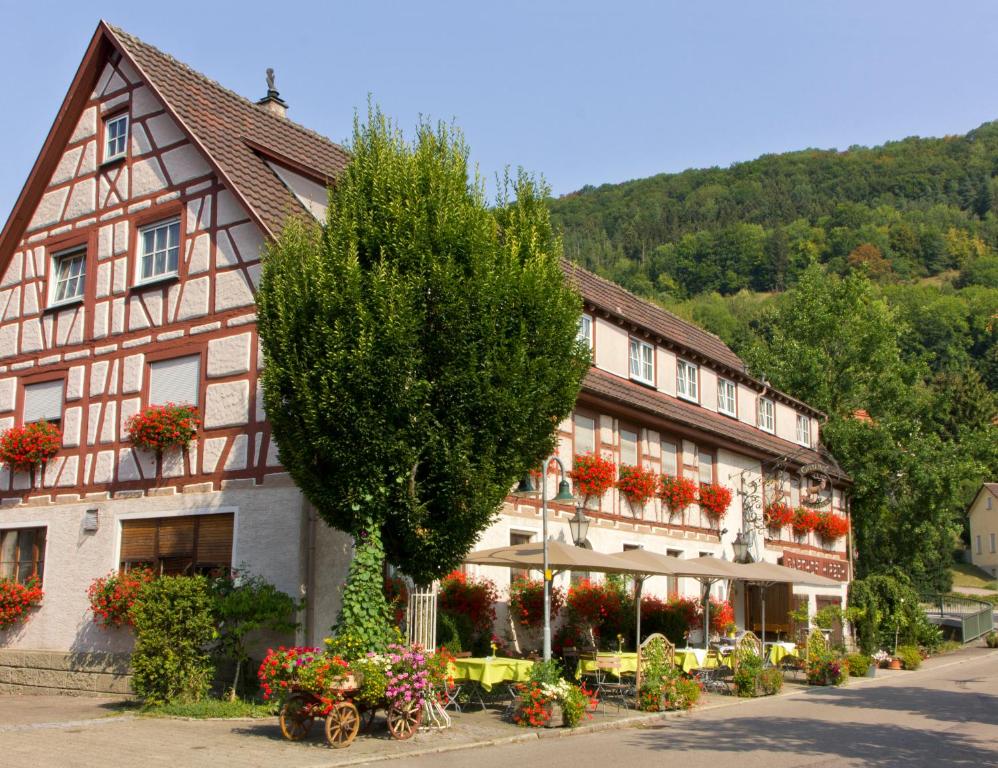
(771, 681)
(593, 476)
(603, 607)
(447, 634)
(29, 445)
(112, 596)
(533, 706)
(526, 601)
(991, 639)
(662, 686)
(474, 598)
(17, 600)
(859, 663)
(162, 427)
(824, 666)
(885, 606)
(748, 671)
(911, 657)
(664, 617)
(173, 625)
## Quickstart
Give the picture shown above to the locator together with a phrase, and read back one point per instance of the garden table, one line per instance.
(688, 659)
(488, 671)
(778, 651)
(628, 663)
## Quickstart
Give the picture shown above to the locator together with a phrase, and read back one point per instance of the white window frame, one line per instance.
(687, 386)
(167, 273)
(725, 386)
(766, 408)
(641, 361)
(804, 430)
(58, 260)
(585, 332)
(119, 138)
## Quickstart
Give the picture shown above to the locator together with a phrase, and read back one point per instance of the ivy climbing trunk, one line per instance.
(364, 613)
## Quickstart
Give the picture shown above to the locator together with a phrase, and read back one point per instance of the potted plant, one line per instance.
(637, 485)
(831, 527)
(17, 601)
(804, 521)
(159, 428)
(593, 476)
(714, 500)
(27, 446)
(777, 515)
(881, 658)
(677, 493)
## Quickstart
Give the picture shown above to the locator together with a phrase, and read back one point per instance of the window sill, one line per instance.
(729, 415)
(112, 162)
(642, 382)
(52, 309)
(154, 282)
(687, 398)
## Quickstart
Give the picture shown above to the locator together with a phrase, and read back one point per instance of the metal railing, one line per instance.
(973, 618)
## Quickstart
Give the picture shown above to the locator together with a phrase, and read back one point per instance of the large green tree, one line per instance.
(420, 349)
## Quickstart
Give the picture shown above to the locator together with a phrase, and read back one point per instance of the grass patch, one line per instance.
(209, 709)
(967, 575)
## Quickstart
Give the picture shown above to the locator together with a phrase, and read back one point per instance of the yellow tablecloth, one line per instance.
(628, 662)
(778, 651)
(490, 671)
(688, 659)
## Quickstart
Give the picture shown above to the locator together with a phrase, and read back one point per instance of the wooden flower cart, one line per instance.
(344, 716)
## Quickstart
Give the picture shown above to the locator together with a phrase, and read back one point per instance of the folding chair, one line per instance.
(610, 689)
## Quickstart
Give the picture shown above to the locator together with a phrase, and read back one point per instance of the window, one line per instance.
(43, 402)
(804, 430)
(992, 543)
(178, 545)
(767, 415)
(115, 137)
(726, 402)
(642, 361)
(175, 380)
(686, 381)
(670, 463)
(585, 334)
(516, 537)
(22, 554)
(978, 542)
(585, 434)
(706, 466)
(672, 582)
(69, 272)
(159, 249)
(628, 447)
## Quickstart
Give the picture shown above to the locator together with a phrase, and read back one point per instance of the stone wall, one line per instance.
(77, 674)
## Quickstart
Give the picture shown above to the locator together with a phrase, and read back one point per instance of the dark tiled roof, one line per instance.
(612, 388)
(220, 120)
(618, 301)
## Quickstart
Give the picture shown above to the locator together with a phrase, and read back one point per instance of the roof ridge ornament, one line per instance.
(273, 102)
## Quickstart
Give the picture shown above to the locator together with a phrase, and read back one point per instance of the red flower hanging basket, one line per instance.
(17, 600)
(593, 475)
(677, 493)
(161, 427)
(831, 527)
(638, 485)
(805, 520)
(27, 446)
(778, 515)
(714, 500)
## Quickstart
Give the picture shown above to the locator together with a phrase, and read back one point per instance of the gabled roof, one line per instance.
(991, 488)
(611, 388)
(233, 133)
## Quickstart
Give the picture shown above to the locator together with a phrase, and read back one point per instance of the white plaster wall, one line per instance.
(708, 388)
(746, 405)
(666, 371)
(265, 542)
(311, 195)
(786, 422)
(611, 349)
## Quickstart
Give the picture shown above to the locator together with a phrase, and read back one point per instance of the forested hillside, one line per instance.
(857, 280)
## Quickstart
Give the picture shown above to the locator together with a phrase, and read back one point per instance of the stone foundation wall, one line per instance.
(77, 674)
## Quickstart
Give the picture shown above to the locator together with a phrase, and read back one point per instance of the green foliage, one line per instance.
(246, 604)
(911, 657)
(373, 679)
(448, 635)
(770, 681)
(209, 709)
(824, 666)
(365, 618)
(574, 704)
(887, 611)
(748, 673)
(420, 347)
(173, 625)
(991, 639)
(548, 672)
(859, 663)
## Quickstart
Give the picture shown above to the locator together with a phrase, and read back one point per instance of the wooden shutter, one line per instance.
(138, 541)
(176, 537)
(43, 401)
(215, 540)
(175, 380)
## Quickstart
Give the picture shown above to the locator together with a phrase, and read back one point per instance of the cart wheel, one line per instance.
(367, 715)
(404, 719)
(342, 724)
(296, 717)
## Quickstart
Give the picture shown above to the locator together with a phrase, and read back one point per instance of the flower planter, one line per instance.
(871, 671)
(894, 664)
(557, 718)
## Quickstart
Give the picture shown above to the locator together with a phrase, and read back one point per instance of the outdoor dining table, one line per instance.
(491, 670)
(628, 662)
(688, 659)
(778, 651)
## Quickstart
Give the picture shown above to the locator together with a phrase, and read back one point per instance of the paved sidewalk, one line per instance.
(41, 731)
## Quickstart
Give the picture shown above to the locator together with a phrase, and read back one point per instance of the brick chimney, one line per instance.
(273, 102)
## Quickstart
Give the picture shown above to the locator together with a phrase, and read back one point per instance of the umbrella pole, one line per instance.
(638, 584)
(763, 587)
(706, 614)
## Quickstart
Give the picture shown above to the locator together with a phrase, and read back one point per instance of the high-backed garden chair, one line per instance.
(668, 649)
(749, 642)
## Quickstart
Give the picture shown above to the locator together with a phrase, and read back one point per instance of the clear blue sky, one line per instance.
(582, 92)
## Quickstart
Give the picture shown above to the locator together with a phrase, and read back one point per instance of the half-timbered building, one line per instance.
(128, 269)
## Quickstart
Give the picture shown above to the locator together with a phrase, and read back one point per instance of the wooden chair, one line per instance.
(749, 642)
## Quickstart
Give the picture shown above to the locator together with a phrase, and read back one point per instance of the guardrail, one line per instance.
(973, 618)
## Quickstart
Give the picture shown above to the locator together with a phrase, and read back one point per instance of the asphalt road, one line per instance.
(946, 716)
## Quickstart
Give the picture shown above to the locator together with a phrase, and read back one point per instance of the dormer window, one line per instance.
(159, 250)
(69, 273)
(804, 430)
(585, 334)
(767, 415)
(115, 137)
(726, 402)
(687, 384)
(642, 361)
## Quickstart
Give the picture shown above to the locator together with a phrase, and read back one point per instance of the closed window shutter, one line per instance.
(43, 401)
(215, 540)
(138, 541)
(175, 380)
(176, 537)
